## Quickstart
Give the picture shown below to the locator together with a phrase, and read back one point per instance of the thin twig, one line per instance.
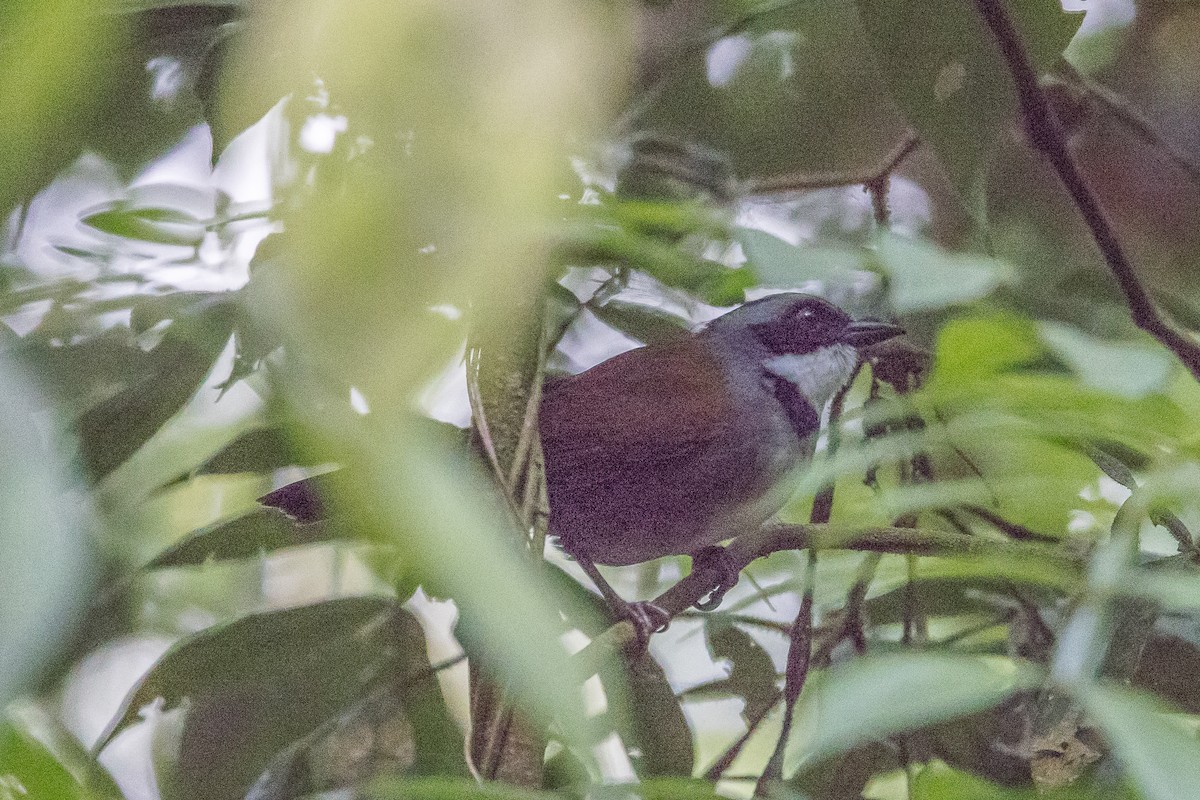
(717, 771)
(1047, 135)
(804, 181)
(798, 660)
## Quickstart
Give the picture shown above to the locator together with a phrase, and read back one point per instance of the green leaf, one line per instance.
(51, 89)
(784, 265)
(659, 730)
(255, 685)
(1160, 756)
(873, 697)
(260, 531)
(44, 573)
(936, 781)
(46, 761)
(646, 324)
(951, 81)
(752, 674)
(1129, 369)
(974, 348)
(157, 225)
(258, 450)
(115, 429)
(787, 64)
(923, 277)
(450, 789)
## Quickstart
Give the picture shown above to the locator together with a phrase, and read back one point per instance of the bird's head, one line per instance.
(795, 324)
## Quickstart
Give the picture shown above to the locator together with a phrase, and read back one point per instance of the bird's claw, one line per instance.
(646, 618)
(716, 559)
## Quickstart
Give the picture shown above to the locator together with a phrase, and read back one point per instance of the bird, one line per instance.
(671, 448)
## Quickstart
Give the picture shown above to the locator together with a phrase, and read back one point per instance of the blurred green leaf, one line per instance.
(951, 81)
(784, 265)
(858, 702)
(44, 575)
(646, 324)
(711, 281)
(659, 731)
(978, 347)
(1128, 369)
(922, 277)
(260, 531)
(936, 781)
(115, 429)
(749, 82)
(256, 684)
(158, 225)
(1160, 755)
(1166, 668)
(46, 761)
(257, 450)
(450, 789)
(51, 90)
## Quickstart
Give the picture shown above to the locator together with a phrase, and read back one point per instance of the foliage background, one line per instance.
(247, 242)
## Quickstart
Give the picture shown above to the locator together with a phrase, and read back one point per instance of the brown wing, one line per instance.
(643, 408)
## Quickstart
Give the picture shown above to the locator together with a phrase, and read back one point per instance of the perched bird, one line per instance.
(671, 448)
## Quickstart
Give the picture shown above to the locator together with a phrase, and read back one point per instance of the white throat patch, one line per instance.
(819, 374)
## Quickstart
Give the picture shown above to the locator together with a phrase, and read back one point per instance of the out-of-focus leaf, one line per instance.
(711, 281)
(260, 531)
(1160, 756)
(146, 311)
(51, 90)
(158, 225)
(756, 92)
(44, 571)
(933, 597)
(859, 702)
(450, 789)
(257, 684)
(1128, 369)
(643, 323)
(844, 776)
(1049, 572)
(975, 348)
(752, 673)
(936, 781)
(115, 429)
(784, 265)
(922, 277)
(46, 761)
(659, 730)
(258, 450)
(951, 81)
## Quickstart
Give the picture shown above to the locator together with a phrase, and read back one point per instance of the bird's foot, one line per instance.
(646, 618)
(718, 560)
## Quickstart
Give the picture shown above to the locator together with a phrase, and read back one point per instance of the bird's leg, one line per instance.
(715, 558)
(647, 618)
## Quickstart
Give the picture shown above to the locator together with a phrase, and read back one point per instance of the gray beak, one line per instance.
(861, 333)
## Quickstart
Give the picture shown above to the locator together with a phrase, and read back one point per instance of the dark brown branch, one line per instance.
(1047, 135)
(774, 538)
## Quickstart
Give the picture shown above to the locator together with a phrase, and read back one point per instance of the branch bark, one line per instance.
(774, 538)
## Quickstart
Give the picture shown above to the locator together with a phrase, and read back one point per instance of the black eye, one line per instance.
(807, 313)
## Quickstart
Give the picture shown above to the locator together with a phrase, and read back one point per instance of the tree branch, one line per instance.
(774, 538)
(1047, 135)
